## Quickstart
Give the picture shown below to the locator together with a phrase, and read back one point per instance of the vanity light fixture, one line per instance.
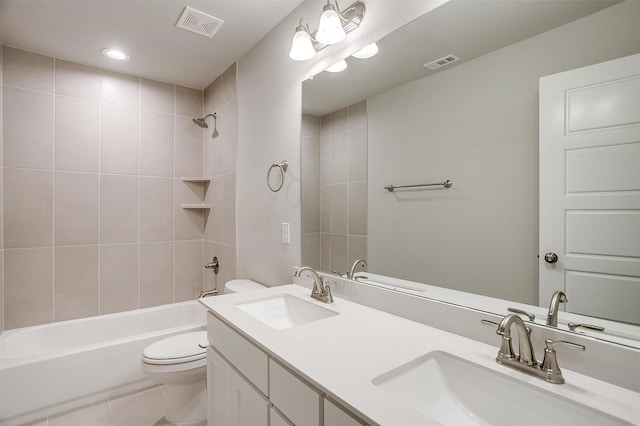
(333, 28)
(302, 46)
(369, 51)
(118, 55)
(339, 66)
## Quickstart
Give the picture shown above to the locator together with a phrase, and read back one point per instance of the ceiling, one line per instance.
(466, 28)
(77, 30)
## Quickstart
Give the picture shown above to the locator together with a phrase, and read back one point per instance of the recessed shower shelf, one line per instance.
(195, 179)
(195, 206)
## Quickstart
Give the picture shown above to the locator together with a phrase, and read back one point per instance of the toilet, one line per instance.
(180, 362)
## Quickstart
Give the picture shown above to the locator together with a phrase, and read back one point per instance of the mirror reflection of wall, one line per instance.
(334, 188)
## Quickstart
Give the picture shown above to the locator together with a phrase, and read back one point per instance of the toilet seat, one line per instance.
(178, 349)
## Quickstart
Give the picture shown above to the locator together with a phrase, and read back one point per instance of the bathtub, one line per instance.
(52, 368)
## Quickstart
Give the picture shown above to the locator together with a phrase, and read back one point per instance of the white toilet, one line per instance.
(180, 362)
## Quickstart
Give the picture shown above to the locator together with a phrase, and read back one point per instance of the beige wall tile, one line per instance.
(214, 220)
(229, 83)
(141, 408)
(216, 148)
(93, 415)
(227, 259)
(357, 249)
(357, 196)
(118, 278)
(310, 208)
(79, 81)
(213, 96)
(325, 251)
(189, 102)
(156, 209)
(118, 209)
(120, 89)
(325, 208)
(119, 139)
(28, 208)
(357, 116)
(189, 223)
(76, 208)
(156, 144)
(28, 287)
(339, 161)
(325, 126)
(1, 217)
(1, 292)
(188, 269)
(210, 278)
(358, 155)
(325, 161)
(310, 161)
(311, 250)
(76, 287)
(311, 126)
(339, 253)
(77, 125)
(25, 143)
(228, 234)
(188, 147)
(157, 96)
(229, 131)
(156, 274)
(339, 121)
(338, 210)
(27, 70)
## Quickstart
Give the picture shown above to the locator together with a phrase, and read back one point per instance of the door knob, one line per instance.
(551, 257)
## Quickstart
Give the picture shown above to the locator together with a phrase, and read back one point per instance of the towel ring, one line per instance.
(283, 168)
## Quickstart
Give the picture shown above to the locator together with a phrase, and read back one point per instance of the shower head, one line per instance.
(202, 121)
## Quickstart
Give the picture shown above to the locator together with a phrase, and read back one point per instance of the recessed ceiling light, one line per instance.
(366, 52)
(116, 54)
(338, 66)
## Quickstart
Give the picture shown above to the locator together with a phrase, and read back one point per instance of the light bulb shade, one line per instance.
(330, 29)
(301, 46)
(339, 66)
(366, 52)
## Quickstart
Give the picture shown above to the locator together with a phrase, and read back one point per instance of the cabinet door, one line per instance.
(219, 407)
(336, 416)
(250, 408)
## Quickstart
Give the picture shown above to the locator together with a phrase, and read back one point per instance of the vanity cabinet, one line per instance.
(245, 387)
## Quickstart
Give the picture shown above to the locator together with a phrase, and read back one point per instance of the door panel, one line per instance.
(590, 188)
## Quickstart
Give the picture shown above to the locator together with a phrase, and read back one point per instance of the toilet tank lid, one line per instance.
(183, 345)
(237, 286)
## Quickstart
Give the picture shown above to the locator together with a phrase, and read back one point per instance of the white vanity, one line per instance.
(277, 357)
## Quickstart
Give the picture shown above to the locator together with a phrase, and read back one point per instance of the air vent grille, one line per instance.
(442, 62)
(199, 22)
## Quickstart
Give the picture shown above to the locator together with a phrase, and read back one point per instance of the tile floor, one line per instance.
(144, 408)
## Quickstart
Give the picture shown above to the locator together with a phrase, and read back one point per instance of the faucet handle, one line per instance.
(550, 362)
(521, 312)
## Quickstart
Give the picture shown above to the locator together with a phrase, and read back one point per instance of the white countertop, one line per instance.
(340, 355)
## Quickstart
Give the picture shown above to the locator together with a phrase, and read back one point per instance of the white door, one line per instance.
(590, 188)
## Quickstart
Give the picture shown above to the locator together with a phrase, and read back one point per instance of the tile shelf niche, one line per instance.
(202, 180)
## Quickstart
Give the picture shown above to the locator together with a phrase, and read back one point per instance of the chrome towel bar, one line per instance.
(447, 184)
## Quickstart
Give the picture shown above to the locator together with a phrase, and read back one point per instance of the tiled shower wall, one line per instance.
(92, 217)
(334, 188)
(220, 153)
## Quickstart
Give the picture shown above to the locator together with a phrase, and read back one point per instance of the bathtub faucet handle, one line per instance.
(214, 264)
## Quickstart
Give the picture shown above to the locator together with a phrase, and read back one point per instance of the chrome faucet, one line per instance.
(525, 361)
(557, 298)
(354, 266)
(320, 291)
(205, 293)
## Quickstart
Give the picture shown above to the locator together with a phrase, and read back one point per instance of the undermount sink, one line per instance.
(454, 391)
(285, 311)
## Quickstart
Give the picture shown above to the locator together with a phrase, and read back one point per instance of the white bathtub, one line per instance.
(51, 368)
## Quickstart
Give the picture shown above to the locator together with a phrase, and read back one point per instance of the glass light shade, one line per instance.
(330, 29)
(339, 66)
(301, 46)
(366, 52)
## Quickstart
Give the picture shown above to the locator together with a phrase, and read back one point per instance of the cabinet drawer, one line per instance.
(246, 357)
(337, 416)
(294, 398)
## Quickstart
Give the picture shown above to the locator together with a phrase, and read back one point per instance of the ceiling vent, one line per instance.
(442, 62)
(199, 22)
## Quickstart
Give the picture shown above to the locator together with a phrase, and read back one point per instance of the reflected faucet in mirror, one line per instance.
(557, 298)
(352, 271)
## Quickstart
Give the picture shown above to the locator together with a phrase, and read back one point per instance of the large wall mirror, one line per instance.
(390, 120)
